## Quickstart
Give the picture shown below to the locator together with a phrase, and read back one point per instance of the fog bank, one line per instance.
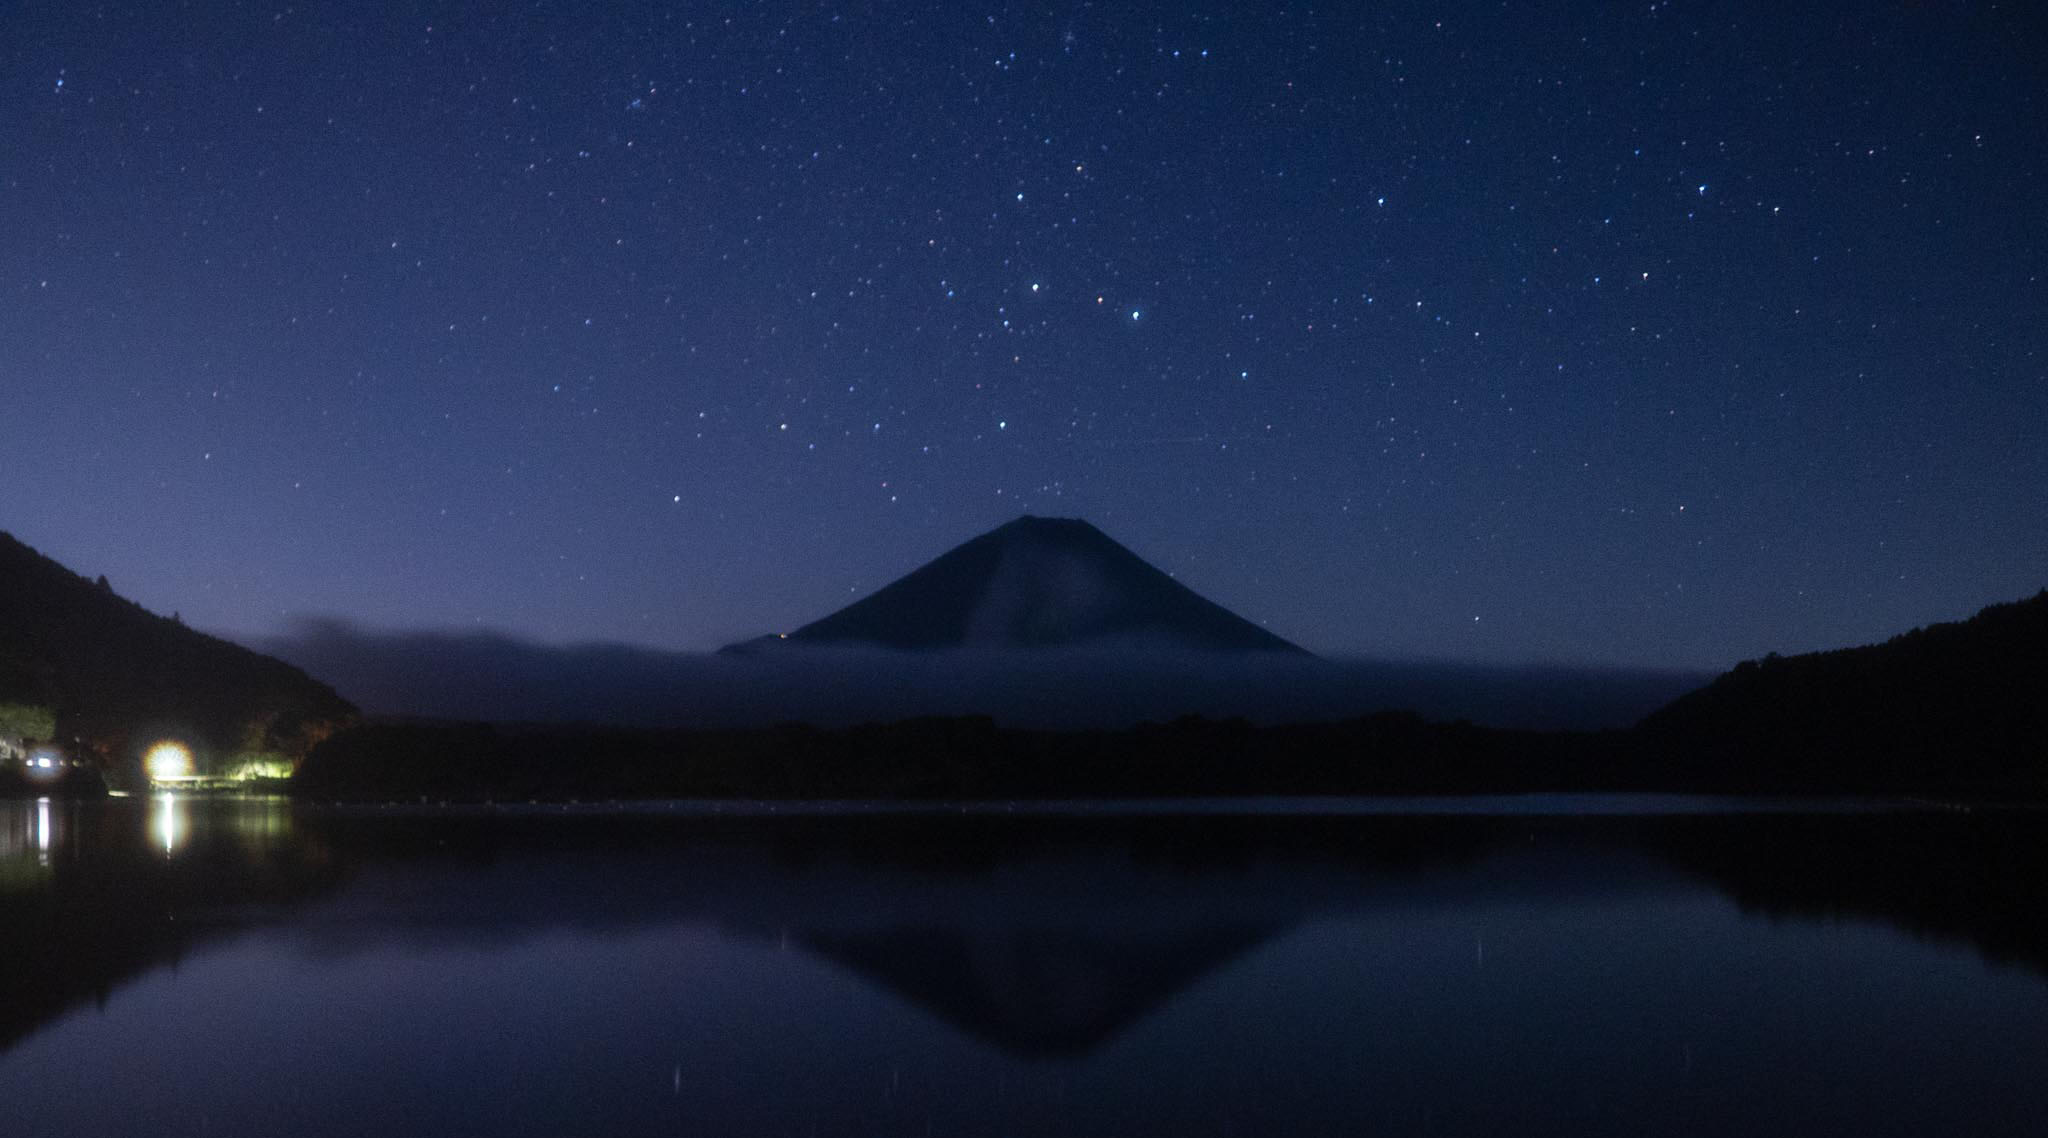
(493, 676)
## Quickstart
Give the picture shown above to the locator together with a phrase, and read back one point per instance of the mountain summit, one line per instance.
(1039, 583)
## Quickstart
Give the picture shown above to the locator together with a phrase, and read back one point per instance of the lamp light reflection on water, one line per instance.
(167, 827)
(43, 830)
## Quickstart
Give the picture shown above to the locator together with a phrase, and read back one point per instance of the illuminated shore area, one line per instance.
(165, 766)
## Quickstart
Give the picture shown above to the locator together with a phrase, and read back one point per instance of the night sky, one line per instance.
(1660, 334)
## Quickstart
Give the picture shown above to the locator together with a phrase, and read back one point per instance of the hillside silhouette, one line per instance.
(1960, 707)
(115, 676)
(1035, 583)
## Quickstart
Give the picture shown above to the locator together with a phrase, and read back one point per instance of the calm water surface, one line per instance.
(232, 967)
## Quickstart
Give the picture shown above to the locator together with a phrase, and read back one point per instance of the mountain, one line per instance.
(1038, 583)
(1956, 707)
(114, 677)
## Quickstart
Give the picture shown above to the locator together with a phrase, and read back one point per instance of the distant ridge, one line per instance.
(1038, 583)
(115, 675)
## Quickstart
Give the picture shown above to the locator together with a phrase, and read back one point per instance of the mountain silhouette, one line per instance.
(1038, 583)
(114, 676)
(1954, 707)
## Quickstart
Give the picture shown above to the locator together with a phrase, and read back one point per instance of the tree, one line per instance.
(25, 723)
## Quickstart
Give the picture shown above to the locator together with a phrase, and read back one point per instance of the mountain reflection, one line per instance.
(93, 893)
(1977, 878)
(1046, 937)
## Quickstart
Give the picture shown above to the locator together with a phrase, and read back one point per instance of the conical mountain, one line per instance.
(1040, 583)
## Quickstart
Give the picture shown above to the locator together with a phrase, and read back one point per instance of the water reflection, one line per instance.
(1560, 952)
(168, 822)
(26, 835)
(95, 893)
(254, 823)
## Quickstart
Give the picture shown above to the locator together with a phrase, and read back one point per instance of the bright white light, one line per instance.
(167, 824)
(42, 763)
(168, 761)
(43, 825)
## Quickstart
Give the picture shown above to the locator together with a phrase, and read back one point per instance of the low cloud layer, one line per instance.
(492, 676)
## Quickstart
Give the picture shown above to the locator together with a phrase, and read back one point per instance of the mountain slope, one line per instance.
(116, 674)
(1961, 706)
(1035, 583)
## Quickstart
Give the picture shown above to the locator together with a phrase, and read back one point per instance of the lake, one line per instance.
(1529, 966)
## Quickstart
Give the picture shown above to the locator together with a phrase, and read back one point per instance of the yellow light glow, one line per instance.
(249, 767)
(168, 761)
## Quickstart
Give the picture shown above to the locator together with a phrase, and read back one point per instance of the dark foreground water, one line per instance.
(229, 968)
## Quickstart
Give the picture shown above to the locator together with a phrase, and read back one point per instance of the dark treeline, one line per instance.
(952, 758)
(938, 759)
(1957, 709)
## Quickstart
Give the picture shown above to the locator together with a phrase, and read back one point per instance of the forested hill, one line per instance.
(1957, 706)
(116, 675)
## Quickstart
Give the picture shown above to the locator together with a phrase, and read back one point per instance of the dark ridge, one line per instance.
(113, 675)
(1961, 707)
(1039, 582)
(956, 759)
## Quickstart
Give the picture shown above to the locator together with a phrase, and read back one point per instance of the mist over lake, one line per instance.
(497, 677)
